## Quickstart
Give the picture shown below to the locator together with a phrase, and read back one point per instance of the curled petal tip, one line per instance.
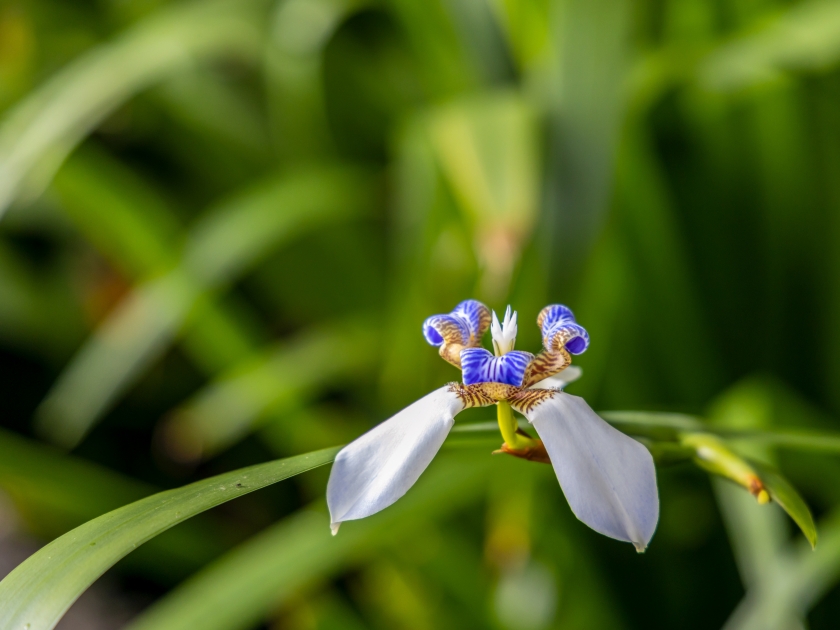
(334, 528)
(640, 547)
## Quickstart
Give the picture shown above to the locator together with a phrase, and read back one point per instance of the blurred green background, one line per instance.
(223, 223)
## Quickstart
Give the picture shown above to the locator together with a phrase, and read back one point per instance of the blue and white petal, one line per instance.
(558, 326)
(608, 477)
(480, 366)
(441, 329)
(378, 468)
(465, 325)
(462, 328)
(554, 314)
(477, 316)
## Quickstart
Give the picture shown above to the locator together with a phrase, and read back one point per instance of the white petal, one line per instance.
(561, 379)
(378, 468)
(608, 478)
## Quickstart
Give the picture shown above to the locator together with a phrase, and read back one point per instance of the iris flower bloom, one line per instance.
(608, 478)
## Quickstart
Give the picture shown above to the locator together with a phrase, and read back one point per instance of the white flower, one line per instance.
(608, 478)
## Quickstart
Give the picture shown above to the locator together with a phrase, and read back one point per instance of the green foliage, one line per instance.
(39, 591)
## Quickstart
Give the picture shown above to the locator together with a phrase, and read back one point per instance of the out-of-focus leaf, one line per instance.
(757, 533)
(55, 492)
(794, 439)
(136, 231)
(294, 72)
(666, 426)
(780, 490)
(783, 493)
(224, 245)
(803, 578)
(275, 381)
(670, 426)
(648, 219)
(805, 37)
(209, 106)
(38, 475)
(487, 148)
(135, 334)
(525, 24)
(41, 130)
(482, 40)
(441, 57)
(40, 590)
(264, 572)
(584, 94)
(236, 235)
(28, 301)
(130, 225)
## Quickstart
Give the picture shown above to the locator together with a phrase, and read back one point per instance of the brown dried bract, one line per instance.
(536, 453)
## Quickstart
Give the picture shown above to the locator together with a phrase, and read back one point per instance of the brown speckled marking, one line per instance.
(486, 394)
(454, 342)
(551, 360)
(526, 400)
(545, 364)
(498, 391)
(483, 325)
(471, 395)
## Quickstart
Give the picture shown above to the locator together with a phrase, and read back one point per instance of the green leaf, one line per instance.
(657, 425)
(255, 578)
(52, 493)
(277, 380)
(39, 133)
(230, 240)
(38, 592)
(801, 38)
(783, 493)
(669, 426)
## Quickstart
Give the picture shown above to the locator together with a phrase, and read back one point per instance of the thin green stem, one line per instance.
(509, 426)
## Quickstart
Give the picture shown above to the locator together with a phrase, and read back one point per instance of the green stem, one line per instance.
(508, 426)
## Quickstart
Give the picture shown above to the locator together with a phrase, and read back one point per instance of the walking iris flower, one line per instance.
(608, 478)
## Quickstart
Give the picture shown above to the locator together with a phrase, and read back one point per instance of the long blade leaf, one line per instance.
(38, 592)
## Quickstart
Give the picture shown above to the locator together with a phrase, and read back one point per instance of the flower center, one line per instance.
(504, 334)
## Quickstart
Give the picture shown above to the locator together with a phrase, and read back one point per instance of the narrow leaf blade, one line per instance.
(39, 591)
(789, 499)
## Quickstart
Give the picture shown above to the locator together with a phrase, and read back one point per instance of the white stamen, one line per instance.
(504, 334)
